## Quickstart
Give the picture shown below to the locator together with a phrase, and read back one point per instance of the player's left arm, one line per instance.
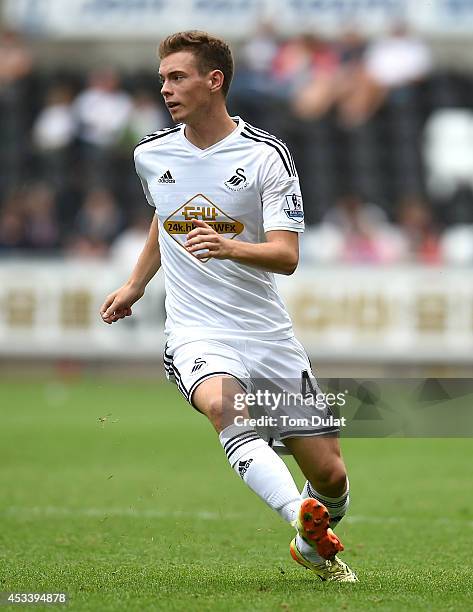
(280, 252)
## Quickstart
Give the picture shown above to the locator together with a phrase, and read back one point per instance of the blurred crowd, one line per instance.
(383, 143)
(315, 75)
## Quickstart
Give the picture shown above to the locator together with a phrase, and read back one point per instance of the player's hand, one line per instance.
(118, 304)
(204, 237)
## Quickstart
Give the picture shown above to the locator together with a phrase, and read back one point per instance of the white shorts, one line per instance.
(277, 368)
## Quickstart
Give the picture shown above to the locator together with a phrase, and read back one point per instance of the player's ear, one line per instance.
(216, 80)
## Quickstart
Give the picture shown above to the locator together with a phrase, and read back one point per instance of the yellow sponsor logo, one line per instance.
(178, 227)
(206, 213)
(221, 227)
(179, 223)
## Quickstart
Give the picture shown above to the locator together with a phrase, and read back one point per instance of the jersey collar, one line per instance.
(221, 143)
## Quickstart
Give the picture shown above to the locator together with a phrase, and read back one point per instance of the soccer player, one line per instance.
(228, 216)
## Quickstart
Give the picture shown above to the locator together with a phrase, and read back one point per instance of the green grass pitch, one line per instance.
(120, 495)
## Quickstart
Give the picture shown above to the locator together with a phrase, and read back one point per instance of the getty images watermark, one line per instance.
(356, 408)
(306, 410)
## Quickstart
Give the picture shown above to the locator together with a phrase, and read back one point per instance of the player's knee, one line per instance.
(214, 409)
(220, 410)
(331, 480)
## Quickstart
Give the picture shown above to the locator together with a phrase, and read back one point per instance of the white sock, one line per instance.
(336, 506)
(262, 470)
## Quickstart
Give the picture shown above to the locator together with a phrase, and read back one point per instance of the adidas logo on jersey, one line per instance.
(166, 178)
(237, 181)
(243, 466)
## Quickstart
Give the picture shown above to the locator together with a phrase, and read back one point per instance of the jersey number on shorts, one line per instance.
(307, 386)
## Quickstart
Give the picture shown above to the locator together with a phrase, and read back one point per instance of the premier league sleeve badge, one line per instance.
(294, 209)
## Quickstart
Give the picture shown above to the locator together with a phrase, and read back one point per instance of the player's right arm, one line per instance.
(118, 304)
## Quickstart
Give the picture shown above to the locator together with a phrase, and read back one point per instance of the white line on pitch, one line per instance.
(45, 511)
(206, 515)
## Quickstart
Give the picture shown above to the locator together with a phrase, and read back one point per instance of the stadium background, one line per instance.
(375, 101)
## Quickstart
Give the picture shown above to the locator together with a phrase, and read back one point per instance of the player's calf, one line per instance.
(248, 454)
(321, 463)
(261, 469)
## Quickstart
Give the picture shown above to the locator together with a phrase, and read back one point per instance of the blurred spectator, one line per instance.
(351, 47)
(390, 63)
(306, 67)
(12, 231)
(128, 245)
(456, 245)
(253, 86)
(323, 243)
(15, 66)
(54, 131)
(316, 96)
(398, 59)
(368, 237)
(352, 216)
(55, 127)
(12, 223)
(15, 59)
(83, 247)
(417, 225)
(145, 117)
(258, 53)
(448, 150)
(99, 219)
(102, 111)
(41, 225)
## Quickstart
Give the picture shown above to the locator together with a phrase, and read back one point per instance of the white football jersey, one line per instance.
(243, 186)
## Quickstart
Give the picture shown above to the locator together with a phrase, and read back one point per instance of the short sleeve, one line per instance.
(281, 197)
(149, 199)
(144, 184)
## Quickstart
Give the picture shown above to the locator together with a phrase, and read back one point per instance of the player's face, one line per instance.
(186, 92)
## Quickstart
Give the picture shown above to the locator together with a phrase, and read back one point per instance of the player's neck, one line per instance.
(210, 129)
